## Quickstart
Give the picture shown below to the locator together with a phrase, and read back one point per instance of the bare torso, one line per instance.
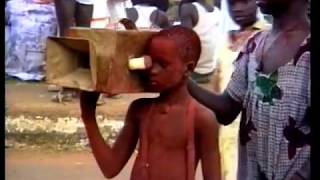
(163, 143)
(279, 49)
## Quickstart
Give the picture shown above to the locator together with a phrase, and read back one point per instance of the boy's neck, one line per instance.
(175, 95)
(294, 18)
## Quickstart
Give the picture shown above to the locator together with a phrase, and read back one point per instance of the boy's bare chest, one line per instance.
(168, 129)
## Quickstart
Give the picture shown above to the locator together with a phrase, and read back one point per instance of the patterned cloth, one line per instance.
(227, 52)
(275, 126)
(29, 26)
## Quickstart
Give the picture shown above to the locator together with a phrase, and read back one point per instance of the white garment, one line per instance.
(144, 14)
(207, 30)
(100, 9)
(30, 25)
(87, 2)
(108, 11)
(117, 10)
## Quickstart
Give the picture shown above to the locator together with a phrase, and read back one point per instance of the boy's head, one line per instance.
(175, 52)
(243, 12)
(274, 7)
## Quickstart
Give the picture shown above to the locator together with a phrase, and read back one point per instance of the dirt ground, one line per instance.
(46, 165)
(34, 99)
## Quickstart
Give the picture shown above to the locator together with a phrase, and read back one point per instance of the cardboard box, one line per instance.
(96, 60)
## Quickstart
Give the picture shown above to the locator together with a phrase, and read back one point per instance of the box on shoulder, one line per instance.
(96, 60)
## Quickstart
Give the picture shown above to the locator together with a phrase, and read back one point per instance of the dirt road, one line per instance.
(45, 165)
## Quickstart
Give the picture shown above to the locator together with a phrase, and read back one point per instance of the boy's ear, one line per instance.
(189, 68)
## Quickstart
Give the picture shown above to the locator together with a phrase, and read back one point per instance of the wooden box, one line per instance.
(96, 60)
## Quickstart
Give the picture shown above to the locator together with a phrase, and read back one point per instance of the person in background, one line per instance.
(204, 19)
(172, 12)
(108, 13)
(227, 24)
(73, 13)
(244, 14)
(270, 86)
(149, 14)
(28, 24)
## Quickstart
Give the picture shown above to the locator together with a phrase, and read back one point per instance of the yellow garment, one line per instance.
(226, 53)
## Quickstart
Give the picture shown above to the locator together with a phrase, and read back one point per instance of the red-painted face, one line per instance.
(167, 69)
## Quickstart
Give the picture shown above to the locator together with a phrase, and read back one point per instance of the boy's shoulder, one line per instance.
(204, 117)
(138, 108)
(142, 102)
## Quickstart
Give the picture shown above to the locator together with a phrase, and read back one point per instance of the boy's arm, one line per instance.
(207, 130)
(110, 160)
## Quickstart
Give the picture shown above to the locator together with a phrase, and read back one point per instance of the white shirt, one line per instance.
(207, 29)
(144, 14)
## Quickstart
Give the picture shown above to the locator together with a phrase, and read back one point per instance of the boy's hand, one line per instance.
(88, 103)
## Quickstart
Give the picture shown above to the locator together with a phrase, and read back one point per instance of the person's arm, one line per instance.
(110, 159)
(207, 130)
(229, 104)
(188, 15)
(159, 18)
(225, 108)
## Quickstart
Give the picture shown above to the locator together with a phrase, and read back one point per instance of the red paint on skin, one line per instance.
(174, 131)
(167, 69)
(173, 53)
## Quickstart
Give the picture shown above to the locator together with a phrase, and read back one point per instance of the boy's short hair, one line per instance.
(187, 41)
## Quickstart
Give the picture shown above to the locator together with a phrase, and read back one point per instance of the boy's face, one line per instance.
(167, 69)
(243, 12)
(273, 6)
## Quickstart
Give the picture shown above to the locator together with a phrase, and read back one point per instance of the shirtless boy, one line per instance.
(174, 131)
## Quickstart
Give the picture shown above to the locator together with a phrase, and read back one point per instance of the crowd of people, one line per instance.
(27, 20)
(254, 53)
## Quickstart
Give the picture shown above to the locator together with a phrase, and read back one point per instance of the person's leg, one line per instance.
(83, 15)
(65, 10)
